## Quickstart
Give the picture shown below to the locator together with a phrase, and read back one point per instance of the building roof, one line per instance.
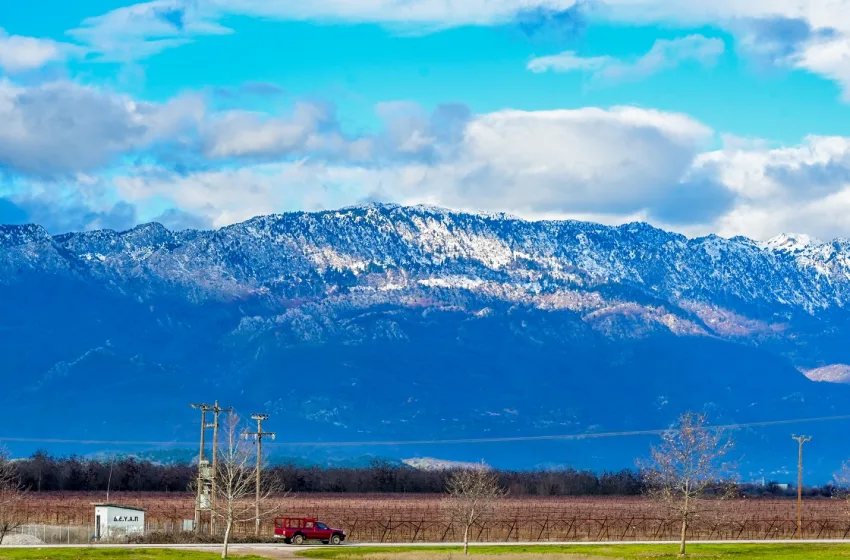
(119, 506)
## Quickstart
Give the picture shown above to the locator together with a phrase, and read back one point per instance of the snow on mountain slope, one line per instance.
(376, 246)
(836, 373)
(624, 280)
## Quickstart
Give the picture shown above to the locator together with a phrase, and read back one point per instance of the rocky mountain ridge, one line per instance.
(437, 247)
(725, 287)
(397, 308)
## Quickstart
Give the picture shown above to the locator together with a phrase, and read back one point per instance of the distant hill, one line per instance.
(431, 464)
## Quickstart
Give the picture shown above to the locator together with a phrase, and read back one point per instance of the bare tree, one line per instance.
(842, 485)
(236, 496)
(472, 496)
(12, 493)
(687, 467)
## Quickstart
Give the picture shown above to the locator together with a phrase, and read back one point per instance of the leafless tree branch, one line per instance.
(689, 466)
(472, 496)
(12, 493)
(842, 485)
(236, 482)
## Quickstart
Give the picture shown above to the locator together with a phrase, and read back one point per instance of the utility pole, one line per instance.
(801, 440)
(216, 410)
(204, 408)
(259, 435)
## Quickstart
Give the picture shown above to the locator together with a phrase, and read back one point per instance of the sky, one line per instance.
(729, 117)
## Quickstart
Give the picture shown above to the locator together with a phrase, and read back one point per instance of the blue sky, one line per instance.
(727, 117)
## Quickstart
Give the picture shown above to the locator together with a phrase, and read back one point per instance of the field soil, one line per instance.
(423, 518)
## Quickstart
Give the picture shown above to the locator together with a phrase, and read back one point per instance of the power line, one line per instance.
(439, 441)
(556, 437)
(95, 441)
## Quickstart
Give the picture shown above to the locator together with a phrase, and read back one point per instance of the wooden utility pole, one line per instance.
(204, 408)
(216, 410)
(800, 440)
(259, 435)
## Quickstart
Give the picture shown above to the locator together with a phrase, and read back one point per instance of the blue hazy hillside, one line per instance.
(386, 323)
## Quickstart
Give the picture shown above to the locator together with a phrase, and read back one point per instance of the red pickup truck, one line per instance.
(298, 530)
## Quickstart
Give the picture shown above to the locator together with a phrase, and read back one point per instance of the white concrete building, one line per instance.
(113, 522)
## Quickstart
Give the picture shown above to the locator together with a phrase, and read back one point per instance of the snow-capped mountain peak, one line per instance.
(792, 242)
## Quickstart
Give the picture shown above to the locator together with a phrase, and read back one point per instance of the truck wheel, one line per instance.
(298, 539)
(336, 539)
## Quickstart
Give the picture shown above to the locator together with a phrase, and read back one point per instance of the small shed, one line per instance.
(114, 522)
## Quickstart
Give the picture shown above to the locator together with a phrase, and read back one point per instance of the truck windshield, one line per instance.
(321, 525)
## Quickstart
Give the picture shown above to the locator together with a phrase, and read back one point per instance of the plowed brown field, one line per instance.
(422, 518)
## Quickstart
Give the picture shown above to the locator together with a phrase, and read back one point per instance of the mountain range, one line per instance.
(398, 328)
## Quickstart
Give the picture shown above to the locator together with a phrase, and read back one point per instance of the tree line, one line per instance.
(43, 472)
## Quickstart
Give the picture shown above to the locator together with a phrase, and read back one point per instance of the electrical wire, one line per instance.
(558, 437)
(562, 437)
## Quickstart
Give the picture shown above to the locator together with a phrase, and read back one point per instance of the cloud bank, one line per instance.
(77, 156)
(810, 35)
(100, 159)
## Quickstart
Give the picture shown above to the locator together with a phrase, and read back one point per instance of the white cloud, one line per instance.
(312, 127)
(61, 128)
(612, 166)
(580, 160)
(622, 160)
(83, 203)
(569, 61)
(799, 188)
(446, 13)
(230, 195)
(817, 13)
(829, 57)
(18, 53)
(155, 20)
(239, 134)
(798, 44)
(817, 167)
(141, 30)
(664, 55)
(824, 218)
(432, 13)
